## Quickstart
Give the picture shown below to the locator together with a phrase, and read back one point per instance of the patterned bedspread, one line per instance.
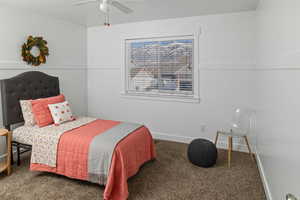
(46, 139)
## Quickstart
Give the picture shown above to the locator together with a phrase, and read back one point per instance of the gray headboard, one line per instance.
(28, 85)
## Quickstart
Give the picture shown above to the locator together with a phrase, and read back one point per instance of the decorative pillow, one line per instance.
(27, 112)
(41, 111)
(61, 112)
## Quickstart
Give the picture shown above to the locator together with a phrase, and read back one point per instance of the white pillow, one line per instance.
(27, 112)
(61, 112)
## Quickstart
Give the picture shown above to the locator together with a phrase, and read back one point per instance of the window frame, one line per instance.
(194, 98)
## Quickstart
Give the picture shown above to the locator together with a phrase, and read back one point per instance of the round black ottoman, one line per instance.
(202, 153)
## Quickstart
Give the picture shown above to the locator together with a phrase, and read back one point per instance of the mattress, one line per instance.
(24, 134)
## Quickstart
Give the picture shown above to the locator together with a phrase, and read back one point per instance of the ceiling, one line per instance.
(89, 15)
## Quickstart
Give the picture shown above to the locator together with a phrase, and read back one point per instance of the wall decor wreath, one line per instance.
(41, 51)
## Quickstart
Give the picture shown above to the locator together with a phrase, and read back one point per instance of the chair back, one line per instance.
(242, 121)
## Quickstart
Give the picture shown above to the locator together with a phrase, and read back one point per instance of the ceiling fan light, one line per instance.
(104, 6)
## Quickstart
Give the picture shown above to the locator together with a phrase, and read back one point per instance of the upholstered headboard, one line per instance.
(28, 85)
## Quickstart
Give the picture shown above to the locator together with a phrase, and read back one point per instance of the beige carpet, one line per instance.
(170, 177)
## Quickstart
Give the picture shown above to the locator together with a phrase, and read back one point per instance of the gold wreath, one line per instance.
(38, 42)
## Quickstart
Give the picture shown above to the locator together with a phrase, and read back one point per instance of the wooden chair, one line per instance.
(240, 128)
(230, 135)
(6, 165)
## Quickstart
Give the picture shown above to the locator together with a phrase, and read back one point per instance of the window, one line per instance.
(160, 67)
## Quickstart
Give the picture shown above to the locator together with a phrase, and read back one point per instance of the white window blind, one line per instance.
(160, 66)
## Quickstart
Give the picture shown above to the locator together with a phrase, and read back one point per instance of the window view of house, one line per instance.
(160, 67)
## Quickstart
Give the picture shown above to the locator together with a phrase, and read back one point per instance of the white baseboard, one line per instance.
(173, 138)
(263, 177)
(222, 144)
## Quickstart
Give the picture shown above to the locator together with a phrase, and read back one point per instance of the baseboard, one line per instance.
(263, 177)
(173, 138)
(222, 144)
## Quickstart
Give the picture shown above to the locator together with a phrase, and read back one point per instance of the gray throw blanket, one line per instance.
(102, 148)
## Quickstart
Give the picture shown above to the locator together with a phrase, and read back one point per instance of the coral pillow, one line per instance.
(41, 111)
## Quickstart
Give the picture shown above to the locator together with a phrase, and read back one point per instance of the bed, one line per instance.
(82, 149)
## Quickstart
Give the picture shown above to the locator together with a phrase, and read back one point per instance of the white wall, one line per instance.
(278, 96)
(227, 57)
(67, 44)
(230, 45)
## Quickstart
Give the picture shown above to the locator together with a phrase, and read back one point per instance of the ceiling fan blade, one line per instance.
(133, 1)
(82, 2)
(121, 7)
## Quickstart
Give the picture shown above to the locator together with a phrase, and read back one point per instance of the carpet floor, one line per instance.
(169, 177)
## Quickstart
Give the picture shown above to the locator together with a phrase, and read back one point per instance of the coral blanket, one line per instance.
(129, 154)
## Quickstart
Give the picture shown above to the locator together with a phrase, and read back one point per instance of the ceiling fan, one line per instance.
(104, 6)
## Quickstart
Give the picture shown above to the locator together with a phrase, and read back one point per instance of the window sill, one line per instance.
(193, 99)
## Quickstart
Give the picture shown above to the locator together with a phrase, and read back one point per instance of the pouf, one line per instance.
(202, 153)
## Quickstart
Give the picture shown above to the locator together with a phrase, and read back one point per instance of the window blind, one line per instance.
(161, 66)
